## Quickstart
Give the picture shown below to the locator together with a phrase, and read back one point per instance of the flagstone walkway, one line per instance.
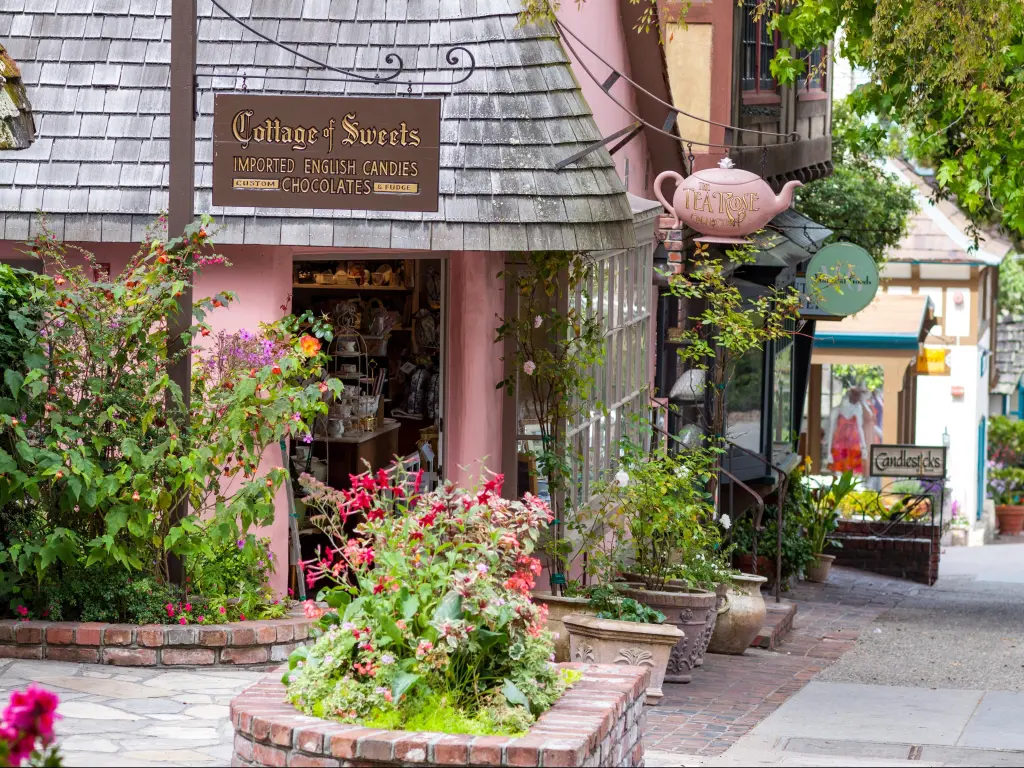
(136, 717)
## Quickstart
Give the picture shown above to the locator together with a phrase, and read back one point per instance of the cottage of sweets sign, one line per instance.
(907, 461)
(377, 154)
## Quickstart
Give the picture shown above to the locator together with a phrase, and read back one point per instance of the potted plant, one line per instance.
(661, 509)
(623, 631)
(1006, 485)
(823, 520)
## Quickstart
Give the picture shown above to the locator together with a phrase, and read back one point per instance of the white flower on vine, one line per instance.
(622, 478)
(529, 367)
(682, 471)
(726, 522)
(537, 321)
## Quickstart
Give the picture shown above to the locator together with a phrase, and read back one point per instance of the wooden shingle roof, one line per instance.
(17, 128)
(97, 72)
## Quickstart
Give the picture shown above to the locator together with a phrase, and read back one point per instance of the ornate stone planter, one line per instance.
(1011, 519)
(599, 721)
(740, 616)
(694, 613)
(605, 641)
(558, 608)
(821, 569)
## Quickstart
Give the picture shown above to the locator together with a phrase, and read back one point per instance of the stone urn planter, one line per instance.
(821, 569)
(694, 613)
(606, 641)
(1011, 519)
(558, 608)
(740, 615)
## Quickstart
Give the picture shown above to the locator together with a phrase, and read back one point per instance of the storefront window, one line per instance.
(744, 400)
(851, 415)
(782, 400)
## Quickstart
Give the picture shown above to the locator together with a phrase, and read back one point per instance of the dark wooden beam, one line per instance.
(181, 197)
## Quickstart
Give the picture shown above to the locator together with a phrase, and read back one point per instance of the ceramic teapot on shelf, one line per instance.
(723, 203)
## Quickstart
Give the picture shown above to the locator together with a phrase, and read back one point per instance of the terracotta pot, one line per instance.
(820, 570)
(558, 608)
(1011, 519)
(689, 611)
(740, 616)
(604, 641)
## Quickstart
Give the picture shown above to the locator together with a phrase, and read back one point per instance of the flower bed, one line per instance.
(599, 721)
(154, 645)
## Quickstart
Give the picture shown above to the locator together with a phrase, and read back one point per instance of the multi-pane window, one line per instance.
(758, 51)
(619, 293)
(813, 78)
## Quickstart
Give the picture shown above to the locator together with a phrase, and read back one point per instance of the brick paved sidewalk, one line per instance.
(729, 695)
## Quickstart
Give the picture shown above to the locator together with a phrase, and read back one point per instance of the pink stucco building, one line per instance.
(97, 76)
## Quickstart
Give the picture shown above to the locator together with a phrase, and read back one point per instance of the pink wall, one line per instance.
(473, 421)
(261, 277)
(599, 24)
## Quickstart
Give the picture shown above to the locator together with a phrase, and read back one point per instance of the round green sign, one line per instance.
(842, 279)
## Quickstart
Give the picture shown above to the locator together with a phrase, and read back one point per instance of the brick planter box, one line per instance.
(154, 645)
(599, 722)
(906, 550)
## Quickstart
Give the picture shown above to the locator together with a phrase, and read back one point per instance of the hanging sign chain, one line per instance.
(689, 156)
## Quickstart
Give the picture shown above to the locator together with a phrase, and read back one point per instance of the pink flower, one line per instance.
(311, 610)
(188, 607)
(529, 367)
(29, 716)
(241, 617)
(222, 610)
(202, 619)
(537, 321)
(241, 543)
(183, 620)
(22, 610)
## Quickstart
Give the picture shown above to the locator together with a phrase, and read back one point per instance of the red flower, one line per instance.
(418, 482)
(276, 369)
(22, 610)
(494, 484)
(382, 479)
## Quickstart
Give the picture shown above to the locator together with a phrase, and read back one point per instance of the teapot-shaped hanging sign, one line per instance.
(723, 203)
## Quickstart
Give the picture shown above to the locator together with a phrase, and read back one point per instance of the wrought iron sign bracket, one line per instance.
(630, 132)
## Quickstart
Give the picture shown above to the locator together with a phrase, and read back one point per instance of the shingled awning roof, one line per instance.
(17, 128)
(1009, 353)
(98, 75)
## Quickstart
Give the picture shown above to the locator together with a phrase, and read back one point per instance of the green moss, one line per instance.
(436, 715)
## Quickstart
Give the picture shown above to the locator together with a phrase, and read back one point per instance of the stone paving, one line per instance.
(729, 695)
(115, 716)
(136, 717)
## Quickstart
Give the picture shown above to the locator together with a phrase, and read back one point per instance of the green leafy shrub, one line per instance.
(431, 611)
(95, 451)
(610, 604)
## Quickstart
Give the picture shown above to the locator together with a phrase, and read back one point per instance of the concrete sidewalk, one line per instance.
(937, 679)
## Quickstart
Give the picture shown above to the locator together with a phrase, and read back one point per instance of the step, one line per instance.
(778, 623)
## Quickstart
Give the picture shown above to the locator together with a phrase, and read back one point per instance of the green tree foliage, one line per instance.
(1011, 285)
(949, 74)
(859, 201)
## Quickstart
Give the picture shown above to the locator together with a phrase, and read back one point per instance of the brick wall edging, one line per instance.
(598, 722)
(154, 645)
